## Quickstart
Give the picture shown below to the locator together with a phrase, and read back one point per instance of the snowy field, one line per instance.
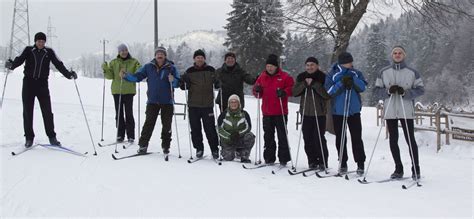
(48, 183)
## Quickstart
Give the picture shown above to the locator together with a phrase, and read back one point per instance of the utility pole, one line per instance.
(20, 32)
(156, 24)
(51, 33)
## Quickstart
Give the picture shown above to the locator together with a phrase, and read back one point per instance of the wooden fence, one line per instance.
(438, 117)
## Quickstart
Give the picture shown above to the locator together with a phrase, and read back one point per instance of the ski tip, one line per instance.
(273, 172)
(243, 165)
(123, 146)
(404, 187)
(289, 172)
(113, 156)
(189, 161)
(304, 175)
(13, 153)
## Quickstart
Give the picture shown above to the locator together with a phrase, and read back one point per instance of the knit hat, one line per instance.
(229, 54)
(122, 47)
(199, 53)
(233, 97)
(344, 58)
(312, 59)
(161, 49)
(40, 36)
(272, 60)
(398, 47)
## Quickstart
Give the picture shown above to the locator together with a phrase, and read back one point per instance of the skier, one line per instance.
(345, 83)
(200, 80)
(402, 85)
(232, 78)
(310, 87)
(274, 86)
(37, 59)
(122, 91)
(160, 74)
(235, 133)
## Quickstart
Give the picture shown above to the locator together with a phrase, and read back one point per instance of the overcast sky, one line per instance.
(81, 24)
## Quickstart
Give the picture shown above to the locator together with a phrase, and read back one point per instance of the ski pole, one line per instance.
(138, 115)
(347, 100)
(286, 132)
(175, 121)
(4, 87)
(215, 120)
(189, 123)
(319, 134)
(119, 112)
(301, 130)
(258, 148)
(377, 139)
(409, 142)
(85, 118)
(103, 96)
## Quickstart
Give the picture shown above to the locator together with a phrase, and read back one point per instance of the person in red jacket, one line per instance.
(274, 86)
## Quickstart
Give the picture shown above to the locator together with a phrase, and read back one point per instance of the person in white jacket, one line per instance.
(398, 85)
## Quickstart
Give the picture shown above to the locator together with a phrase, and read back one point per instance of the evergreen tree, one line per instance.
(254, 31)
(376, 60)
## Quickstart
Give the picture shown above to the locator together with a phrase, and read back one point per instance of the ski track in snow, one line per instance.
(51, 183)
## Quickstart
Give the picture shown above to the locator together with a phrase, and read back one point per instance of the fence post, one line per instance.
(438, 130)
(447, 128)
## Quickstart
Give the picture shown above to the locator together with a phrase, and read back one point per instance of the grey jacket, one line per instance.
(403, 76)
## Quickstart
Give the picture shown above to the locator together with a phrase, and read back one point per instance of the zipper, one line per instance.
(41, 63)
(34, 55)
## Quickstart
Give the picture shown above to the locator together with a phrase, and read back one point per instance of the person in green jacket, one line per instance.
(234, 128)
(123, 91)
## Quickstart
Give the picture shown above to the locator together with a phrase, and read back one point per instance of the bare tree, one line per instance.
(339, 18)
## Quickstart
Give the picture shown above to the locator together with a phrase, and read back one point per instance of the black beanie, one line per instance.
(272, 60)
(229, 54)
(40, 36)
(199, 53)
(312, 59)
(345, 58)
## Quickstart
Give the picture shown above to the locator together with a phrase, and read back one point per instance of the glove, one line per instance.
(281, 93)
(258, 89)
(401, 91)
(347, 82)
(393, 89)
(185, 78)
(72, 75)
(105, 65)
(234, 137)
(217, 84)
(9, 64)
(301, 77)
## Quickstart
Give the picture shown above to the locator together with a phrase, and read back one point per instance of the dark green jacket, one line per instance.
(232, 82)
(321, 97)
(200, 84)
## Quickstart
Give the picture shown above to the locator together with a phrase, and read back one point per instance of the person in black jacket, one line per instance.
(200, 80)
(35, 84)
(232, 78)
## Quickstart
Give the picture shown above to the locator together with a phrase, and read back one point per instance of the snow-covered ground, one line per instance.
(49, 183)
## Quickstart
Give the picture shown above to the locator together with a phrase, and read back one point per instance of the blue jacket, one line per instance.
(337, 91)
(159, 90)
